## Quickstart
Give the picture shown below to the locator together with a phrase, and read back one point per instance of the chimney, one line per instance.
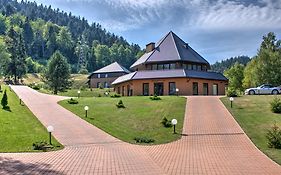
(150, 47)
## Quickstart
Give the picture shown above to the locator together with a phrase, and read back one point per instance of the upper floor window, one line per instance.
(173, 66)
(160, 66)
(154, 67)
(189, 67)
(184, 66)
(98, 75)
(106, 75)
(199, 67)
(194, 67)
(166, 66)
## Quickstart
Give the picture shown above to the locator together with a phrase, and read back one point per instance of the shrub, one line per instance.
(155, 97)
(120, 104)
(143, 140)
(99, 95)
(231, 92)
(72, 101)
(276, 105)
(274, 137)
(115, 96)
(83, 71)
(166, 123)
(41, 146)
(4, 101)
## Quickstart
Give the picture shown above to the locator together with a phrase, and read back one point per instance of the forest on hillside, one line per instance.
(221, 66)
(39, 31)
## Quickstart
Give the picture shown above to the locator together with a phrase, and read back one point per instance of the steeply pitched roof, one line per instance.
(171, 48)
(174, 73)
(113, 67)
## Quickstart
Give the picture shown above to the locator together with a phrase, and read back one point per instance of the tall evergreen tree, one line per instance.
(58, 73)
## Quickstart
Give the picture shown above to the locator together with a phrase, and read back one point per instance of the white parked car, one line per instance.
(263, 89)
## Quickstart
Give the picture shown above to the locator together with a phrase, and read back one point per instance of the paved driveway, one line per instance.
(212, 143)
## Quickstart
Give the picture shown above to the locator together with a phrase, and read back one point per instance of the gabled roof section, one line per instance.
(113, 67)
(171, 48)
(124, 78)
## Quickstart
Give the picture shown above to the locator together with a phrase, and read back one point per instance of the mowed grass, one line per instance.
(140, 118)
(19, 128)
(254, 115)
(95, 92)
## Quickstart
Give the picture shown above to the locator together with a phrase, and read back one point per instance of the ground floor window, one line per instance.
(215, 89)
(118, 90)
(158, 88)
(98, 84)
(172, 88)
(105, 85)
(128, 90)
(195, 88)
(145, 88)
(205, 89)
(123, 90)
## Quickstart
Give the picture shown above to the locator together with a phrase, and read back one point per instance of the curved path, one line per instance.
(212, 143)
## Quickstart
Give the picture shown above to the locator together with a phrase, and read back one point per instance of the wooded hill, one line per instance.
(44, 30)
(221, 66)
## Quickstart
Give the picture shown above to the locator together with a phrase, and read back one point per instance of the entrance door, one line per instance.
(195, 88)
(205, 89)
(215, 89)
(158, 89)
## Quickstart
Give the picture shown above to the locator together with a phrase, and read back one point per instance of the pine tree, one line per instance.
(4, 101)
(58, 73)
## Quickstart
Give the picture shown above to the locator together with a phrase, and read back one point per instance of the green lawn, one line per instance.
(140, 118)
(95, 92)
(254, 116)
(19, 128)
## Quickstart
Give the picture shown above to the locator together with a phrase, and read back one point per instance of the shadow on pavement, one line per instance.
(11, 166)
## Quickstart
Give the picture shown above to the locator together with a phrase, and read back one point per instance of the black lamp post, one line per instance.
(50, 130)
(86, 108)
(174, 122)
(231, 101)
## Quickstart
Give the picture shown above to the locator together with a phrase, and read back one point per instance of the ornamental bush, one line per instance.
(155, 97)
(274, 137)
(166, 123)
(120, 104)
(143, 140)
(72, 101)
(4, 101)
(276, 105)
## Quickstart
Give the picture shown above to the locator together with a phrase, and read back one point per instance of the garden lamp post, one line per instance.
(78, 92)
(231, 101)
(50, 129)
(86, 108)
(174, 122)
(177, 91)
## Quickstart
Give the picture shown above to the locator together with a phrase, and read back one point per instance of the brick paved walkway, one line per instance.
(212, 143)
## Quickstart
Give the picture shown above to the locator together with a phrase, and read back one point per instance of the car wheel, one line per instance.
(252, 92)
(274, 92)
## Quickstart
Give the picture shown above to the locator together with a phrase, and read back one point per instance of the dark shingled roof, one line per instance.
(171, 48)
(175, 73)
(114, 67)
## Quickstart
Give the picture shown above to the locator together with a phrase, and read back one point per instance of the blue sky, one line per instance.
(217, 29)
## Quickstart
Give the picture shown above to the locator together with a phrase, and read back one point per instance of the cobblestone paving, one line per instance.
(212, 143)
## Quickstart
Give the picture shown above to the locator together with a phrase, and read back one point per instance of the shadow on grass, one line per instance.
(7, 108)
(12, 166)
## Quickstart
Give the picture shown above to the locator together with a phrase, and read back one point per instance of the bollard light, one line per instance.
(50, 129)
(174, 122)
(86, 108)
(231, 101)
(78, 92)
(177, 91)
